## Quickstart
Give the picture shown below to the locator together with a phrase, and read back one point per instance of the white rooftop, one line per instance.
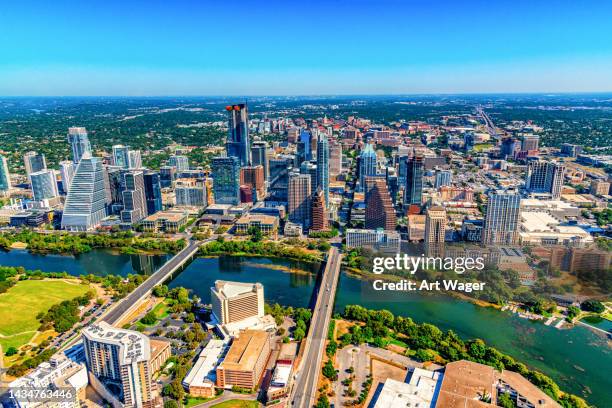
(420, 391)
(203, 373)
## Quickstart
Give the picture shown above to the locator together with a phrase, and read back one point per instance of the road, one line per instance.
(489, 123)
(305, 387)
(116, 313)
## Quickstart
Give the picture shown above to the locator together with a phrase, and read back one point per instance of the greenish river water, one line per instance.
(579, 359)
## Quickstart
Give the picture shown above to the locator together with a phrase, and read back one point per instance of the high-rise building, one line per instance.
(179, 162)
(119, 364)
(544, 177)
(319, 212)
(443, 178)
(245, 362)
(530, 143)
(121, 156)
(153, 194)
(135, 159)
(85, 204)
(571, 150)
(323, 167)
(238, 143)
(367, 164)
(34, 162)
(134, 201)
(259, 157)
(226, 180)
(79, 143)
(44, 185)
(190, 193)
(310, 168)
(435, 225)
(304, 150)
(5, 176)
(510, 147)
(167, 175)
(253, 176)
(298, 197)
(67, 168)
(235, 301)
(335, 159)
(502, 219)
(413, 193)
(379, 212)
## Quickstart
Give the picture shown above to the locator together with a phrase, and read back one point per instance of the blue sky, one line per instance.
(304, 47)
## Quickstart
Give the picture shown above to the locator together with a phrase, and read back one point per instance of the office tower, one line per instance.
(253, 176)
(298, 198)
(259, 157)
(134, 201)
(5, 176)
(435, 225)
(530, 143)
(501, 223)
(380, 212)
(66, 170)
(323, 167)
(311, 169)
(135, 159)
(413, 193)
(79, 142)
(293, 135)
(153, 194)
(443, 178)
(44, 185)
(190, 193)
(34, 162)
(179, 162)
(246, 194)
(167, 175)
(319, 212)
(85, 204)
(238, 144)
(544, 177)
(114, 184)
(235, 301)
(335, 159)
(509, 147)
(226, 180)
(367, 165)
(571, 150)
(118, 364)
(392, 184)
(304, 150)
(121, 156)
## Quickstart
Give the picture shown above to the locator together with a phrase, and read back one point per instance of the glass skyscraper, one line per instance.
(413, 192)
(238, 144)
(323, 167)
(152, 183)
(226, 180)
(79, 142)
(367, 165)
(44, 185)
(5, 176)
(85, 204)
(501, 223)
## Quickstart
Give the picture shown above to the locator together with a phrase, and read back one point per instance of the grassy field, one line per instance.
(237, 404)
(20, 305)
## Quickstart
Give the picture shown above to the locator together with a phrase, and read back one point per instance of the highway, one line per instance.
(114, 315)
(489, 123)
(305, 386)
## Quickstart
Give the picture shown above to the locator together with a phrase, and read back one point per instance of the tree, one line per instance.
(11, 351)
(592, 306)
(299, 334)
(160, 291)
(323, 401)
(149, 318)
(329, 371)
(424, 355)
(171, 404)
(255, 233)
(505, 401)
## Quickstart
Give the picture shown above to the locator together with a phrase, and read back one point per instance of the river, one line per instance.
(578, 359)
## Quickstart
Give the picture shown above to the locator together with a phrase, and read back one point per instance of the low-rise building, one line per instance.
(160, 352)
(419, 391)
(267, 224)
(378, 239)
(201, 380)
(245, 361)
(292, 229)
(165, 221)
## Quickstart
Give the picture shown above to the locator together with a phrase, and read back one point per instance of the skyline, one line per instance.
(343, 48)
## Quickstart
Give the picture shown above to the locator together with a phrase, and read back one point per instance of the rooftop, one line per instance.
(245, 349)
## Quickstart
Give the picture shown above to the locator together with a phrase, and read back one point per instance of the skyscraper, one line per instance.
(501, 224)
(367, 165)
(167, 175)
(319, 212)
(238, 144)
(311, 169)
(435, 225)
(118, 363)
(335, 159)
(443, 178)
(180, 162)
(67, 168)
(530, 143)
(134, 201)
(44, 185)
(85, 204)
(5, 176)
(153, 192)
(79, 142)
(380, 212)
(34, 162)
(259, 157)
(226, 180)
(135, 159)
(323, 167)
(121, 156)
(413, 193)
(253, 176)
(190, 193)
(298, 197)
(544, 177)
(304, 150)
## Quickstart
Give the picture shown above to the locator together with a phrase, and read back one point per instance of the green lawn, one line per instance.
(21, 303)
(237, 404)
